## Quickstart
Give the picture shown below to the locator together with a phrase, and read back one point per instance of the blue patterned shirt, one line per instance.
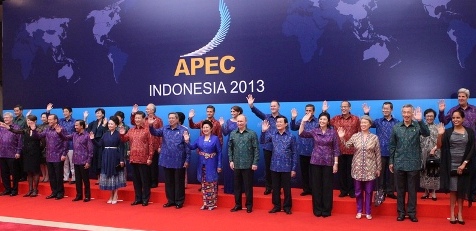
(175, 152)
(305, 145)
(284, 158)
(383, 131)
(272, 125)
(68, 127)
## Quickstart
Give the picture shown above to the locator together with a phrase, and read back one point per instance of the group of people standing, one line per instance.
(393, 158)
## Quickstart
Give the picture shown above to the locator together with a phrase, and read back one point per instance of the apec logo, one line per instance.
(210, 64)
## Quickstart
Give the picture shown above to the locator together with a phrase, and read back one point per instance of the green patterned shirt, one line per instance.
(243, 149)
(405, 151)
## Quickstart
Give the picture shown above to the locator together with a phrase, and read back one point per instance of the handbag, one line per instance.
(379, 196)
(433, 166)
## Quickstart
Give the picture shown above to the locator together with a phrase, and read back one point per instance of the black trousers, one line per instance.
(267, 164)
(82, 176)
(305, 162)
(406, 182)
(282, 180)
(386, 179)
(154, 169)
(10, 166)
(55, 172)
(243, 177)
(141, 181)
(322, 184)
(175, 185)
(346, 182)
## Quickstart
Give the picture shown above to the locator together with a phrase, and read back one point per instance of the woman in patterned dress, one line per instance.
(428, 148)
(366, 164)
(111, 177)
(457, 147)
(209, 163)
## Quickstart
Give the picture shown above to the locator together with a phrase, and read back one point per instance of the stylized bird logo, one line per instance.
(225, 20)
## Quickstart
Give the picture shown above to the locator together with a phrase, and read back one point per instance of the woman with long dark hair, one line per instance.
(457, 147)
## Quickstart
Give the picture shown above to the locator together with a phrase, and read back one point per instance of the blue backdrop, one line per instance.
(186, 54)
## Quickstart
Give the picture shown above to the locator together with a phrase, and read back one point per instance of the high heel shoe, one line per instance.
(28, 193)
(204, 207)
(34, 193)
(453, 222)
(425, 197)
(109, 201)
(358, 216)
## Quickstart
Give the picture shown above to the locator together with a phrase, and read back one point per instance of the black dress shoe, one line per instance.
(51, 196)
(136, 203)
(180, 206)
(249, 210)
(166, 205)
(274, 210)
(267, 191)
(87, 199)
(59, 197)
(288, 211)
(236, 208)
(413, 219)
(77, 198)
(145, 203)
(342, 194)
(391, 195)
(14, 193)
(5, 193)
(305, 193)
(154, 185)
(401, 217)
(28, 193)
(352, 195)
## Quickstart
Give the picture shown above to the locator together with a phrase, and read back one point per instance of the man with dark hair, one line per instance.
(156, 141)
(174, 159)
(10, 150)
(19, 119)
(305, 146)
(181, 117)
(268, 146)
(83, 154)
(383, 128)
(142, 150)
(351, 125)
(56, 150)
(216, 130)
(283, 161)
(68, 125)
(405, 159)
